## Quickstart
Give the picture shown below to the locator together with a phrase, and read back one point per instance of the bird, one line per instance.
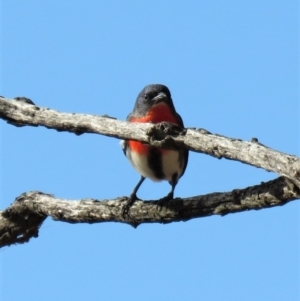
(154, 104)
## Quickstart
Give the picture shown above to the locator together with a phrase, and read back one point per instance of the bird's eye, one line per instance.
(146, 96)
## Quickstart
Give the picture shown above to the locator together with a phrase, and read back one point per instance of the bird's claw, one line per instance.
(165, 200)
(128, 205)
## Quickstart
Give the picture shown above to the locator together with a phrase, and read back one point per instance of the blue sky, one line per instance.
(232, 68)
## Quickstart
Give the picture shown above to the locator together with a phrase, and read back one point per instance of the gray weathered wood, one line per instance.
(21, 221)
(253, 152)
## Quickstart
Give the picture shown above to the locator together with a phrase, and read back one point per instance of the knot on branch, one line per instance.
(21, 221)
(162, 134)
(24, 100)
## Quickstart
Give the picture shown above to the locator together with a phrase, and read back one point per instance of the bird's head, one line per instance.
(152, 96)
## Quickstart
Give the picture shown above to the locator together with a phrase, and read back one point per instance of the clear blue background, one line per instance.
(232, 68)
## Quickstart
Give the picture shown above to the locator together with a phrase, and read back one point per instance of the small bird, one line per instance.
(154, 105)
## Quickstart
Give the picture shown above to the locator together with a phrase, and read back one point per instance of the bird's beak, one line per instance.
(159, 98)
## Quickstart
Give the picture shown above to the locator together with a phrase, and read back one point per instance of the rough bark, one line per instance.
(23, 218)
(21, 113)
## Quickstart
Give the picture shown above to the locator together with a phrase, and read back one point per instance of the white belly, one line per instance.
(170, 165)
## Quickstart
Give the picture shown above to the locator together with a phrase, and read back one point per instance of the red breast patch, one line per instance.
(138, 147)
(158, 113)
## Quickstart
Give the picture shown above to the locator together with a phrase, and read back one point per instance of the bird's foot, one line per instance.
(165, 200)
(132, 198)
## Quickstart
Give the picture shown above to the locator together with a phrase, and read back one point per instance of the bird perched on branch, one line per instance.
(154, 105)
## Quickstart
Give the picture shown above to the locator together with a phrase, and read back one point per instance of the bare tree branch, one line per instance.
(22, 220)
(254, 153)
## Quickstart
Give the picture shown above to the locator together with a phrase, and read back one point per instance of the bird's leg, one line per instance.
(164, 201)
(132, 198)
